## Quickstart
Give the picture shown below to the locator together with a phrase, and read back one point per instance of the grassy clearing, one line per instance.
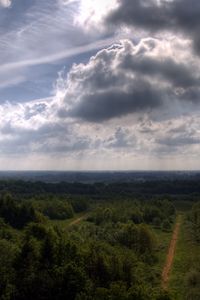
(163, 240)
(187, 255)
(65, 223)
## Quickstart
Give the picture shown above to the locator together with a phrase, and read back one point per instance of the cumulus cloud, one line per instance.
(33, 110)
(43, 133)
(127, 101)
(50, 137)
(122, 138)
(106, 105)
(129, 78)
(93, 12)
(152, 15)
(5, 3)
(178, 140)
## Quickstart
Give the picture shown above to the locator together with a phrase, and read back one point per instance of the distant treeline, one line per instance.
(187, 189)
(98, 176)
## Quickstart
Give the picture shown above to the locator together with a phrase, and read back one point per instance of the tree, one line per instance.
(166, 226)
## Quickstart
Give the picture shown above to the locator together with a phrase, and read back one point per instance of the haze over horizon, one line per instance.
(99, 85)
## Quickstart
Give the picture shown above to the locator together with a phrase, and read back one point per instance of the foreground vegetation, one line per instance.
(66, 246)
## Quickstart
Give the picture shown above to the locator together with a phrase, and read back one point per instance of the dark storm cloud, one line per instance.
(128, 79)
(182, 15)
(191, 94)
(102, 106)
(178, 140)
(178, 74)
(141, 13)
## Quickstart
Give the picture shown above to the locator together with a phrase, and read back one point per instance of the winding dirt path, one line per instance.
(170, 255)
(78, 220)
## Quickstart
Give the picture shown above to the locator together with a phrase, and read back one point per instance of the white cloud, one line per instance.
(5, 3)
(91, 13)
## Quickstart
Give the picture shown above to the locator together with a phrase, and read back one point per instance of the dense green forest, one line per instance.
(75, 241)
(185, 189)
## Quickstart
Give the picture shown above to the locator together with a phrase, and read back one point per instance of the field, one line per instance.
(186, 260)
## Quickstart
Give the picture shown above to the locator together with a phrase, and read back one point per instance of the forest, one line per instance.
(100, 241)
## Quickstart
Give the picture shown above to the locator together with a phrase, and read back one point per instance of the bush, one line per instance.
(166, 226)
(80, 205)
(157, 222)
(192, 279)
(137, 217)
(56, 209)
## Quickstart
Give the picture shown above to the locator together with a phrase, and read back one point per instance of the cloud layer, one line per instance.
(156, 16)
(129, 78)
(116, 85)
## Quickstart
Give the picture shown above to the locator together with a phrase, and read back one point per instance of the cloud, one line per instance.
(91, 13)
(34, 129)
(50, 138)
(30, 131)
(129, 78)
(115, 105)
(156, 16)
(132, 105)
(179, 74)
(5, 3)
(31, 111)
(121, 139)
(178, 140)
(102, 106)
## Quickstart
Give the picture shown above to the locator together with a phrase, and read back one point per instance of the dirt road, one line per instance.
(170, 255)
(78, 220)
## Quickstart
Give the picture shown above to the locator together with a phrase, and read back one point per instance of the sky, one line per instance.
(99, 85)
